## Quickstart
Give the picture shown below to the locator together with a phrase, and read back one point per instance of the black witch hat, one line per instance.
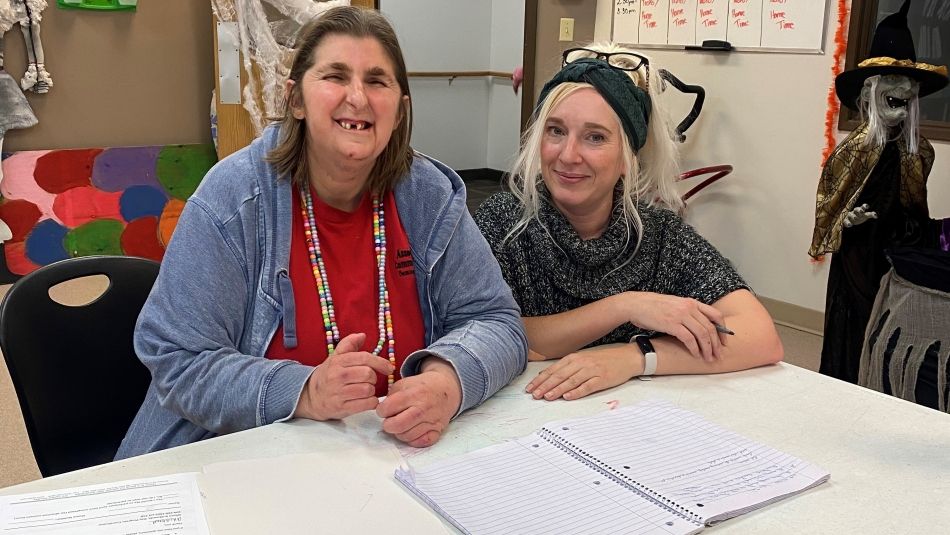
(892, 52)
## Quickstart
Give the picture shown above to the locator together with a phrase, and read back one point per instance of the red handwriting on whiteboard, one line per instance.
(739, 19)
(677, 12)
(705, 12)
(778, 17)
(710, 22)
(680, 22)
(649, 3)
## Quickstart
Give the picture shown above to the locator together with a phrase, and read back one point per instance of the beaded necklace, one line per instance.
(383, 316)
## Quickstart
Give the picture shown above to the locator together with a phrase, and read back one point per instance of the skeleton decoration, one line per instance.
(872, 194)
(28, 14)
(15, 111)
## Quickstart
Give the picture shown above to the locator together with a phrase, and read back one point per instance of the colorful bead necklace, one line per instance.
(384, 315)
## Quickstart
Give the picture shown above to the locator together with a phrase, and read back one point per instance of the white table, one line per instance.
(889, 459)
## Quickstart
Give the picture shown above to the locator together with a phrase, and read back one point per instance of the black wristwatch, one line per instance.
(649, 354)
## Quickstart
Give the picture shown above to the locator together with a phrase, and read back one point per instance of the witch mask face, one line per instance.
(894, 96)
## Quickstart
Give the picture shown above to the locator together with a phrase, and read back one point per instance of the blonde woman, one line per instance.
(592, 247)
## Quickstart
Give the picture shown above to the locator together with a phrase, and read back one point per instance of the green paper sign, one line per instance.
(101, 5)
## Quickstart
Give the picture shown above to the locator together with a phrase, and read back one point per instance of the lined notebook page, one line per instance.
(714, 473)
(530, 486)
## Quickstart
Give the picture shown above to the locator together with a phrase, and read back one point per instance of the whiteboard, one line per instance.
(748, 25)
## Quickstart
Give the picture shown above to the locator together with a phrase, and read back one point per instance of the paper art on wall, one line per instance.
(99, 5)
(27, 13)
(77, 202)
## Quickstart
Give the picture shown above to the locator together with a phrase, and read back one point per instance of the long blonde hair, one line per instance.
(648, 177)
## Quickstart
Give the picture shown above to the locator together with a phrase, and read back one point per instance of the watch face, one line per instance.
(643, 342)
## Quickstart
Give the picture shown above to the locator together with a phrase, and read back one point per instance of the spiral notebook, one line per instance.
(652, 468)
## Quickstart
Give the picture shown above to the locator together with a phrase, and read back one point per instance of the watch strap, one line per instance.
(649, 354)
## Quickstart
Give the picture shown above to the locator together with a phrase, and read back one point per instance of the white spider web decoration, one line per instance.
(266, 37)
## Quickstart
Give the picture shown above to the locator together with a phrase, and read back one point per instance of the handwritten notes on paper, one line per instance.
(650, 469)
(775, 24)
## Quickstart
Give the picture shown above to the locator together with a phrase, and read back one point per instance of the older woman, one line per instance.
(324, 266)
(593, 252)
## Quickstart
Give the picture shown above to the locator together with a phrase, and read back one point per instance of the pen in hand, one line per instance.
(723, 329)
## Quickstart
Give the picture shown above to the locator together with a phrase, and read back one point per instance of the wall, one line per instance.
(548, 51)
(764, 114)
(504, 120)
(121, 79)
(450, 120)
(462, 123)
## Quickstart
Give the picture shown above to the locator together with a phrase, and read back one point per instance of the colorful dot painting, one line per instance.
(77, 202)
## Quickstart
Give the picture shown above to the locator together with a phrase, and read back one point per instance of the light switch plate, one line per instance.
(566, 32)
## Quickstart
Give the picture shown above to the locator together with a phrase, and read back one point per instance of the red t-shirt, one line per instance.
(346, 244)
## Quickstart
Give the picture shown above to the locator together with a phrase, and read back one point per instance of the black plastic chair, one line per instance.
(74, 369)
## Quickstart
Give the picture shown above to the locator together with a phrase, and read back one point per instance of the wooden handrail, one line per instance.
(459, 74)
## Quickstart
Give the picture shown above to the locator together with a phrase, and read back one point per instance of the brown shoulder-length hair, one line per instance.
(289, 157)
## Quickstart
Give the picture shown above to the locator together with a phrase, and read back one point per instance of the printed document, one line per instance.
(170, 505)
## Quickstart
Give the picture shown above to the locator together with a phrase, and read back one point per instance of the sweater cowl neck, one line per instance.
(593, 253)
(587, 269)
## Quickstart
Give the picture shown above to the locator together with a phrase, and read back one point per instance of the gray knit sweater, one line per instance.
(555, 271)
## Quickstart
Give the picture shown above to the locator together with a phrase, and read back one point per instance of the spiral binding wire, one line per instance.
(621, 479)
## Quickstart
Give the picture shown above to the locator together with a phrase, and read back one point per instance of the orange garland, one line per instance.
(841, 45)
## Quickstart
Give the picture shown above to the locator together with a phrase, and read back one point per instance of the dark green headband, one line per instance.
(628, 101)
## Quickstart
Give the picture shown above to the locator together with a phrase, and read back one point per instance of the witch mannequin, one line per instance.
(872, 194)
(27, 13)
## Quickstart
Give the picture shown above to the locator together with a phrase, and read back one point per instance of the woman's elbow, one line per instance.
(777, 354)
(772, 350)
(761, 346)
